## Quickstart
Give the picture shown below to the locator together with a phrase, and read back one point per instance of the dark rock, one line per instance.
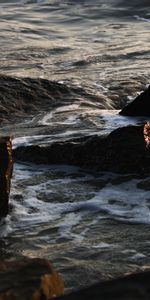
(6, 166)
(29, 279)
(139, 107)
(135, 286)
(23, 97)
(124, 151)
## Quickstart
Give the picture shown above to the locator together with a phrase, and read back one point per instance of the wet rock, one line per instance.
(123, 150)
(135, 286)
(23, 97)
(6, 166)
(29, 279)
(139, 107)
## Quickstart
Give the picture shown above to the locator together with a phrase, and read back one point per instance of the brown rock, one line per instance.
(31, 279)
(6, 166)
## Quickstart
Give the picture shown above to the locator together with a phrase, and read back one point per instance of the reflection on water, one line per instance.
(81, 41)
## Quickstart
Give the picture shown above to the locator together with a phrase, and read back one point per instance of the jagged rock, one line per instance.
(123, 150)
(135, 286)
(139, 107)
(29, 279)
(6, 166)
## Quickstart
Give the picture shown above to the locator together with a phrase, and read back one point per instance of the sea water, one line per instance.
(91, 226)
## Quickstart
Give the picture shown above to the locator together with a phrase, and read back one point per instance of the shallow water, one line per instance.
(91, 227)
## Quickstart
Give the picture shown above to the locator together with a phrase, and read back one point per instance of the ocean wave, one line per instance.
(142, 18)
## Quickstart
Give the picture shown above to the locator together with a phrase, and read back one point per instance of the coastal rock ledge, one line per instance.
(123, 151)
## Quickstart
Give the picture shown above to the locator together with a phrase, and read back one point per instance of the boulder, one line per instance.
(29, 279)
(6, 166)
(123, 150)
(138, 107)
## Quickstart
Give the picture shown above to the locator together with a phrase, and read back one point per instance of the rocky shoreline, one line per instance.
(124, 150)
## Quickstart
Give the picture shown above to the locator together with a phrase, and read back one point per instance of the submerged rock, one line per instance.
(23, 97)
(6, 166)
(139, 107)
(123, 150)
(29, 279)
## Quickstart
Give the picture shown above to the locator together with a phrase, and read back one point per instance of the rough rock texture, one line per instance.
(131, 287)
(124, 151)
(22, 97)
(31, 279)
(6, 166)
(139, 107)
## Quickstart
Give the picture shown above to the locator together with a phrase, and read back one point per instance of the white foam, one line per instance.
(133, 254)
(103, 245)
(79, 123)
(121, 202)
(101, 87)
(128, 251)
(124, 202)
(5, 227)
(47, 119)
(113, 120)
(138, 256)
(29, 140)
(66, 225)
(141, 18)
